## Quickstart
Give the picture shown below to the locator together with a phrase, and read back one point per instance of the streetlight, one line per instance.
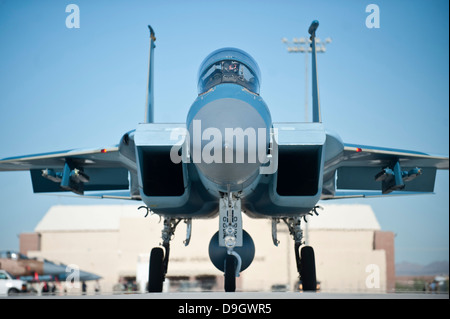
(303, 45)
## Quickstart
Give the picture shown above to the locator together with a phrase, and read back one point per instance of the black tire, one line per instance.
(13, 291)
(155, 272)
(230, 273)
(308, 269)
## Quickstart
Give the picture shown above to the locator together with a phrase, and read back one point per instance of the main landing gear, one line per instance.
(232, 249)
(304, 257)
(159, 261)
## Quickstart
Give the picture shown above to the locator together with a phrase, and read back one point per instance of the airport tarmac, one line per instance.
(239, 296)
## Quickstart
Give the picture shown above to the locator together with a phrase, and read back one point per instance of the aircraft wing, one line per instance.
(86, 157)
(368, 171)
(77, 170)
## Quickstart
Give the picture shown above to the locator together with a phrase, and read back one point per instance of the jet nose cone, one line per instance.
(229, 141)
(85, 276)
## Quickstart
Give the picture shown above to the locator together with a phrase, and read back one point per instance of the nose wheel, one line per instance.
(230, 273)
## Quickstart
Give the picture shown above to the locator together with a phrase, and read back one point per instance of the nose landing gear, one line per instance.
(231, 236)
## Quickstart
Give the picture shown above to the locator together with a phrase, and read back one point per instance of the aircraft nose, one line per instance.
(85, 276)
(229, 139)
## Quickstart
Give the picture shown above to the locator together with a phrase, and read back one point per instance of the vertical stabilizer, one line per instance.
(315, 82)
(149, 117)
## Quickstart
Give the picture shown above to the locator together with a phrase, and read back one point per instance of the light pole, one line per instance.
(303, 45)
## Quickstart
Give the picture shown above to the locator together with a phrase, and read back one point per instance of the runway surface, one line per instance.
(241, 296)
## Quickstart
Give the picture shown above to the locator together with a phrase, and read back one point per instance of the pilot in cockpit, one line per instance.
(228, 71)
(230, 66)
(225, 66)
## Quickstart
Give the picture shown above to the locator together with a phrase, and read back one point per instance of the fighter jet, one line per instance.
(33, 269)
(230, 158)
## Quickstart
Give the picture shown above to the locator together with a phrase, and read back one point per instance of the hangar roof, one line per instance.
(107, 217)
(86, 217)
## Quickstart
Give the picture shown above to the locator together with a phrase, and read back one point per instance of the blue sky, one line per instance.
(66, 88)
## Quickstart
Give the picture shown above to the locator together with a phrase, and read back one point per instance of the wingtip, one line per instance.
(152, 32)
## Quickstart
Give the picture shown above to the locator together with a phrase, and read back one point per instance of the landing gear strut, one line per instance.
(231, 236)
(159, 261)
(304, 257)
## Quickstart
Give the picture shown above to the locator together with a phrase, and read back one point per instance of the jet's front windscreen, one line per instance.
(229, 65)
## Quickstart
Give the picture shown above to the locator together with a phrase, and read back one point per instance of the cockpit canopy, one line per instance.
(229, 65)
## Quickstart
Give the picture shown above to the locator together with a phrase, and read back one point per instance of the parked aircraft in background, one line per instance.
(33, 269)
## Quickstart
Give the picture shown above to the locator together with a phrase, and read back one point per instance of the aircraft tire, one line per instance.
(308, 269)
(230, 273)
(13, 291)
(155, 273)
